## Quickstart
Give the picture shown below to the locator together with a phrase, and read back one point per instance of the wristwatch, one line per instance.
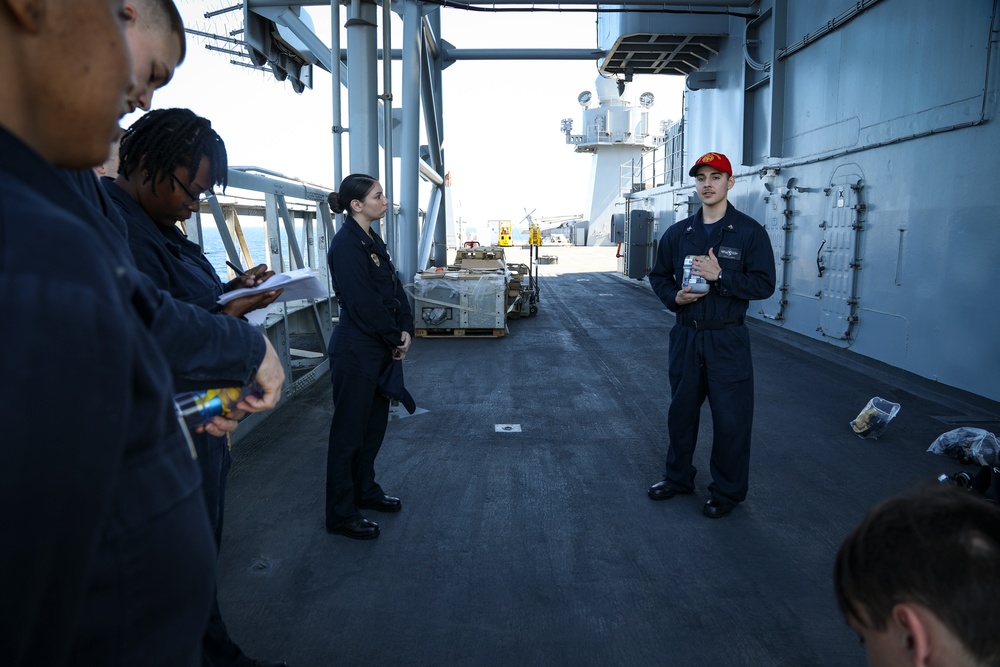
(719, 277)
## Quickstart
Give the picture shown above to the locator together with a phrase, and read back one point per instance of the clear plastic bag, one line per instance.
(871, 422)
(968, 445)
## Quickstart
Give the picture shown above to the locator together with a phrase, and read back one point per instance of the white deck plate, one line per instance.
(507, 428)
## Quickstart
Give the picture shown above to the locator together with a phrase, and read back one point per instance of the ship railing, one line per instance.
(297, 230)
(662, 165)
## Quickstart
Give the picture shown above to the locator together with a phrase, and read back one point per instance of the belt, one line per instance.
(710, 325)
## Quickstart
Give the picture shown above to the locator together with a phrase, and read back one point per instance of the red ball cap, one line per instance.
(716, 161)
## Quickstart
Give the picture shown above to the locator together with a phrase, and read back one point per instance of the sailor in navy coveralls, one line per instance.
(170, 159)
(709, 345)
(376, 327)
(110, 559)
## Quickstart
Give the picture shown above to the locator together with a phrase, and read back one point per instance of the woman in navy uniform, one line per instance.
(170, 160)
(376, 327)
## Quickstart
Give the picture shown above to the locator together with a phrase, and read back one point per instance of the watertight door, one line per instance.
(838, 259)
(639, 244)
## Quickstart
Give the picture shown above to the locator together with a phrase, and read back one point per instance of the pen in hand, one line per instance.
(249, 279)
(255, 277)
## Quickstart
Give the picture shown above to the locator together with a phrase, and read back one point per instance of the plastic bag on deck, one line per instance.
(968, 445)
(871, 422)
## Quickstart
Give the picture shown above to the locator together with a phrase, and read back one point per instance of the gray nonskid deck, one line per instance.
(540, 547)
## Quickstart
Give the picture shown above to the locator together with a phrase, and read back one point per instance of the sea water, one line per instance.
(255, 237)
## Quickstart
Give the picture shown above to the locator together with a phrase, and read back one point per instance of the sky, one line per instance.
(502, 141)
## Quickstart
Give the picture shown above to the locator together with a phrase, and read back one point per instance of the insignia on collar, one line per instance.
(376, 260)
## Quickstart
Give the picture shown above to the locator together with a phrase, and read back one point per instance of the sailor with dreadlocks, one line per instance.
(169, 161)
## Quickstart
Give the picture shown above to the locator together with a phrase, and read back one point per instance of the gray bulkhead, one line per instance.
(876, 178)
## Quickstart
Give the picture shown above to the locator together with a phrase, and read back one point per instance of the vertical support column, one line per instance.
(388, 183)
(193, 229)
(362, 78)
(325, 236)
(309, 224)
(409, 221)
(272, 232)
(427, 233)
(439, 255)
(338, 128)
(295, 259)
(224, 232)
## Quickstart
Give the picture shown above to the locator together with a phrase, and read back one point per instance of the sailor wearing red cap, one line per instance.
(709, 344)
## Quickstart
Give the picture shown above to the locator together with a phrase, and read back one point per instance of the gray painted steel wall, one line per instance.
(891, 101)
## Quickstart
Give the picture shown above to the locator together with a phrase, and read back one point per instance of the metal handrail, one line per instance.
(661, 165)
(292, 211)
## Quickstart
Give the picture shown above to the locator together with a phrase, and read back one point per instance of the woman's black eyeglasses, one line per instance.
(203, 196)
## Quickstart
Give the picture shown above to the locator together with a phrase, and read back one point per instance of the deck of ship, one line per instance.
(540, 547)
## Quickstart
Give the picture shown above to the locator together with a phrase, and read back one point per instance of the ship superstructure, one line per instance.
(615, 132)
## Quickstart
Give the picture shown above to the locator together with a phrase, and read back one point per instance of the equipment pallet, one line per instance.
(459, 333)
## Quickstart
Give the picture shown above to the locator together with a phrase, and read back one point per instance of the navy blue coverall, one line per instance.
(178, 265)
(109, 557)
(202, 350)
(709, 346)
(374, 311)
(173, 262)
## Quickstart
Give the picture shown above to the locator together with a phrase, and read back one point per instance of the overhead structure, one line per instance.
(644, 36)
(284, 40)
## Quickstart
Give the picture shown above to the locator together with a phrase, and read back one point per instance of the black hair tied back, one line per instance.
(355, 186)
(334, 200)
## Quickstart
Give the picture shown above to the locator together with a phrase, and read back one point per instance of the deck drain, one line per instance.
(507, 428)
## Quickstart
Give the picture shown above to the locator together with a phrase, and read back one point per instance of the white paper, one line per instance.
(298, 284)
